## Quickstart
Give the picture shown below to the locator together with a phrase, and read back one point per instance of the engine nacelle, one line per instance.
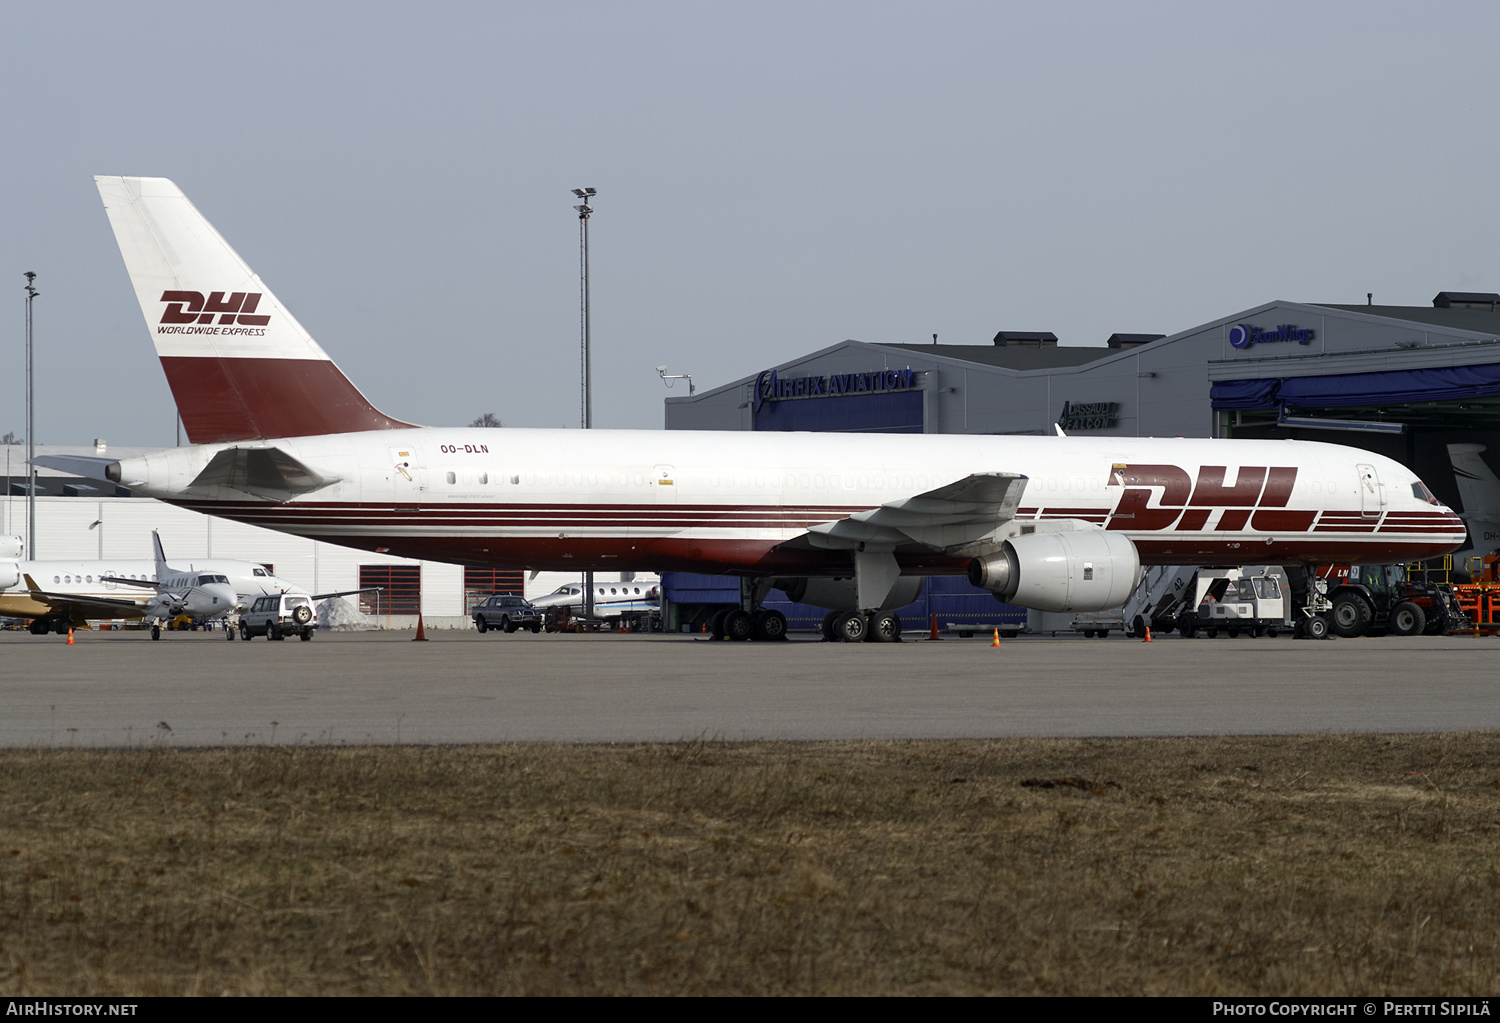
(839, 593)
(1083, 570)
(10, 546)
(10, 575)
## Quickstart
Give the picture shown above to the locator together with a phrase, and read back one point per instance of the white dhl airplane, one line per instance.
(282, 439)
(57, 595)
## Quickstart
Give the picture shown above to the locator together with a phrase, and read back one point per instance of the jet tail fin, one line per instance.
(240, 366)
(1477, 484)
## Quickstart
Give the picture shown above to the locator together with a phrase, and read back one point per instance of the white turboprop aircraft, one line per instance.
(282, 439)
(56, 595)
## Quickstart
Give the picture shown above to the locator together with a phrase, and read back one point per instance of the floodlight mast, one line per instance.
(586, 355)
(585, 327)
(31, 294)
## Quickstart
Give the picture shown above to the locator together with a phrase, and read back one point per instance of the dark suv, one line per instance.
(507, 613)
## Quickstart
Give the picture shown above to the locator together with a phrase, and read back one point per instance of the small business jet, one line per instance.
(282, 439)
(57, 595)
(613, 598)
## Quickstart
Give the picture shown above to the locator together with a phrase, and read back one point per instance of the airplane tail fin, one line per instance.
(240, 366)
(1477, 484)
(161, 556)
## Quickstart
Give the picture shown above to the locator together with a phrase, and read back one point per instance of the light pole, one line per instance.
(31, 294)
(584, 209)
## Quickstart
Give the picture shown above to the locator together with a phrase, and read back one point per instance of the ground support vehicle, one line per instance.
(1235, 601)
(507, 613)
(1479, 603)
(1375, 600)
(278, 615)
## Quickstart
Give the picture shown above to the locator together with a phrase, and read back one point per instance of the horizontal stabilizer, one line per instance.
(87, 466)
(260, 472)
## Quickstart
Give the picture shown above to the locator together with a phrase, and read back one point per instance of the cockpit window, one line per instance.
(206, 580)
(259, 572)
(1420, 492)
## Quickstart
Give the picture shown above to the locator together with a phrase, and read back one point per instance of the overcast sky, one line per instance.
(773, 178)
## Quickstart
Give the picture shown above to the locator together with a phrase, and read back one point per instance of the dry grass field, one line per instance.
(1225, 866)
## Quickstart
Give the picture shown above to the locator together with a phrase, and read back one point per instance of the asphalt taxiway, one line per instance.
(196, 689)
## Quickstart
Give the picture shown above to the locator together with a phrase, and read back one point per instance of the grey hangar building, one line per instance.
(1403, 381)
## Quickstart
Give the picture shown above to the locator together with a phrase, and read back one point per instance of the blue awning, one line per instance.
(1350, 390)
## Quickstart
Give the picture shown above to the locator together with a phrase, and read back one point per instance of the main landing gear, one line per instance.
(861, 627)
(738, 624)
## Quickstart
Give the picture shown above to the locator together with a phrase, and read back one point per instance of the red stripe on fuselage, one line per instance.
(244, 399)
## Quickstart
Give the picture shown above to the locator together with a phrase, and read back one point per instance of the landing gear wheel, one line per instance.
(828, 619)
(1351, 615)
(716, 624)
(156, 632)
(245, 632)
(39, 627)
(850, 627)
(1316, 628)
(884, 627)
(480, 625)
(770, 625)
(1407, 619)
(738, 625)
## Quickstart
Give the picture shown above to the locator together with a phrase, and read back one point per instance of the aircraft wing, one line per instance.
(345, 593)
(268, 473)
(60, 601)
(127, 582)
(951, 518)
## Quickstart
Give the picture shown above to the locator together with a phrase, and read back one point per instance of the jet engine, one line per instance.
(1083, 570)
(837, 593)
(10, 546)
(10, 575)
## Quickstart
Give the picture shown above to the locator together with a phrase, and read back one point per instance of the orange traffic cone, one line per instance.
(70, 635)
(997, 638)
(421, 636)
(934, 629)
(1148, 635)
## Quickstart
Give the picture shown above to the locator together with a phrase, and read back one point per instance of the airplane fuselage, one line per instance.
(570, 500)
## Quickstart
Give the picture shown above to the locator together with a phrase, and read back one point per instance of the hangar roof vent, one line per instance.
(1466, 300)
(1132, 340)
(1026, 339)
